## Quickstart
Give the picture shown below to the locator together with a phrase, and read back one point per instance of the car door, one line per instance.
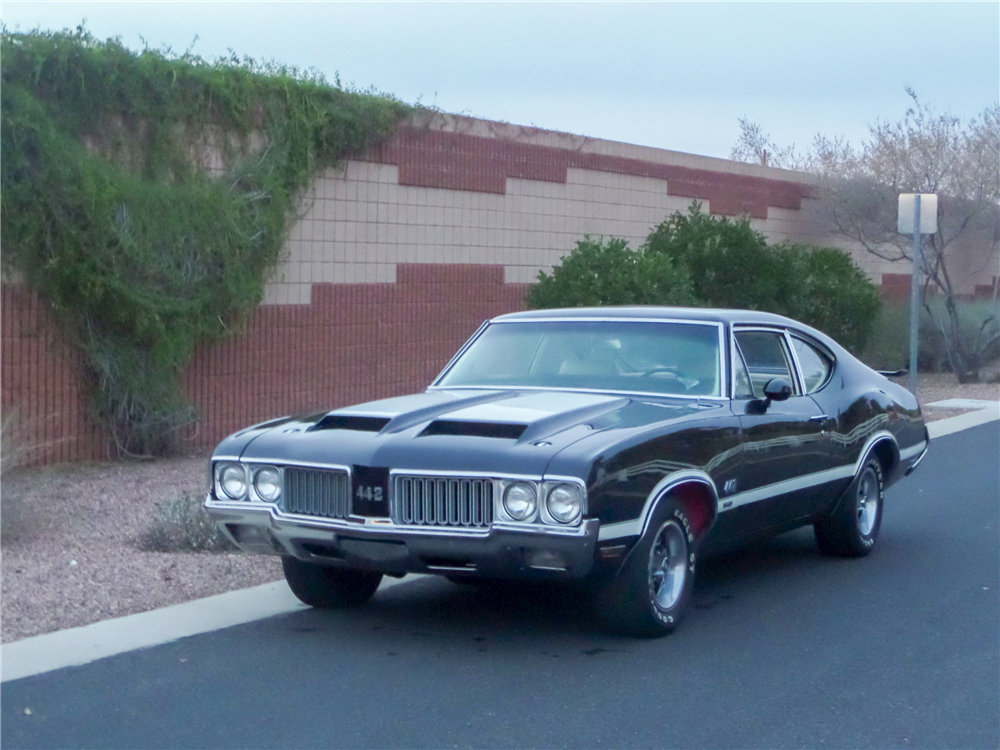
(817, 364)
(786, 449)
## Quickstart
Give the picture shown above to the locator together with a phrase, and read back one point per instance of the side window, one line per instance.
(766, 358)
(743, 387)
(816, 366)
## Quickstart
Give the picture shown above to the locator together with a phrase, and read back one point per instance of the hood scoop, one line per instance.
(505, 430)
(350, 422)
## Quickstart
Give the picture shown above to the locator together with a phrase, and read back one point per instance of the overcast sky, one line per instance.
(672, 75)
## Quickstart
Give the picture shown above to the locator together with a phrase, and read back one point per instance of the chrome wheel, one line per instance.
(868, 501)
(851, 528)
(668, 565)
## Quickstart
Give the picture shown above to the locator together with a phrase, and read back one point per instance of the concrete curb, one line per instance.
(76, 646)
(963, 422)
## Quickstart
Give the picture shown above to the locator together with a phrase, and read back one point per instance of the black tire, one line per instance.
(649, 594)
(852, 529)
(327, 587)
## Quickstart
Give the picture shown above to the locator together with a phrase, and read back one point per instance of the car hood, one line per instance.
(489, 431)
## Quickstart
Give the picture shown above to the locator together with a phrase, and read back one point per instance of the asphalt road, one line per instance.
(784, 648)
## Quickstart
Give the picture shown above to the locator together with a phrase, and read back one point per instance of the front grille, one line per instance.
(316, 492)
(442, 501)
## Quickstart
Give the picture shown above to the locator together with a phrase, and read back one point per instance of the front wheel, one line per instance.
(651, 592)
(852, 529)
(327, 587)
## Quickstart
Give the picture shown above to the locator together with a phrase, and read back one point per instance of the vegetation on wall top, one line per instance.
(147, 196)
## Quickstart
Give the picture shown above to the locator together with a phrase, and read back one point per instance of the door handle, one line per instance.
(820, 418)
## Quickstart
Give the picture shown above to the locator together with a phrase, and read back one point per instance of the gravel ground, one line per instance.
(69, 546)
(69, 537)
(940, 386)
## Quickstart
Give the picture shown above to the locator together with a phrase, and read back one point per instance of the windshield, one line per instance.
(645, 357)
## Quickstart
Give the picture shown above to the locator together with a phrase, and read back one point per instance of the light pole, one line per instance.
(917, 216)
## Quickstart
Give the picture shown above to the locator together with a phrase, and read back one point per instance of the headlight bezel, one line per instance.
(532, 510)
(576, 490)
(225, 472)
(221, 470)
(256, 471)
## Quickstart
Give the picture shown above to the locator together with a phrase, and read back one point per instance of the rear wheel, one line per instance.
(852, 529)
(651, 592)
(327, 587)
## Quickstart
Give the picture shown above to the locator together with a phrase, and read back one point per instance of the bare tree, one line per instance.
(925, 152)
(756, 147)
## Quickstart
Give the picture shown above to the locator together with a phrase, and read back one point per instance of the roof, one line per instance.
(653, 312)
(658, 313)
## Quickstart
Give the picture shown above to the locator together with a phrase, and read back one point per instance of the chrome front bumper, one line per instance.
(505, 550)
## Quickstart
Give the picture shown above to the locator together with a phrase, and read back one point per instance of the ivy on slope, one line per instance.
(105, 208)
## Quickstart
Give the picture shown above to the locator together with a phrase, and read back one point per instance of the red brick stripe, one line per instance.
(457, 161)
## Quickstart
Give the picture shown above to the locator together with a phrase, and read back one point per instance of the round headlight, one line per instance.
(233, 479)
(565, 503)
(267, 482)
(519, 500)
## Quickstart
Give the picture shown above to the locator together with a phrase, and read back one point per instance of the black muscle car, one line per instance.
(614, 445)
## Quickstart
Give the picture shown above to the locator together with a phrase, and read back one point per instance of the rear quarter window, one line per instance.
(816, 365)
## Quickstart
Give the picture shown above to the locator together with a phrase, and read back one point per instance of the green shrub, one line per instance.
(888, 348)
(183, 525)
(107, 211)
(732, 266)
(700, 260)
(831, 293)
(979, 325)
(889, 345)
(601, 272)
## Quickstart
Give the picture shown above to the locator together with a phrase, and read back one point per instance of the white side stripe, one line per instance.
(789, 485)
(634, 528)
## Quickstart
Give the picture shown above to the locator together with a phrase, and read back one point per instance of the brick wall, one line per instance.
(487, 193)
(43, 409)
(399, 256)
(354, 342)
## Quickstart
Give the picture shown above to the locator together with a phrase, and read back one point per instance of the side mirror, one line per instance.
(777, 389)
